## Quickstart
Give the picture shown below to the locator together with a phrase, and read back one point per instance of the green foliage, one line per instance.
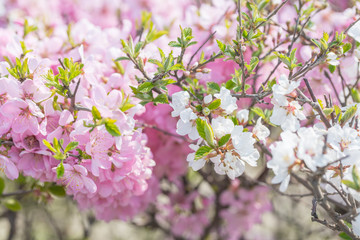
(68, 71)
(12, 204)
(355, 184)
(291, 61)
(349, 114)
(214, 104)
(98, 120)
(112, 128)
(166, 64)
(184, 41)
(2, 185)
(57, 191)
(161, 98)
(223, 140)
(355, 95)
(28, 28)
(20, 69)
(60, 170)
(202, 152)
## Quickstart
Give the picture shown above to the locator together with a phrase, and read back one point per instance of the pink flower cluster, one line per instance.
(109, 174)
(244, 209)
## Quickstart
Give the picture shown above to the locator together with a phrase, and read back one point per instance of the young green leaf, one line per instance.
(202, 152)
(161, 98)
(200, 127)
(209, 134)
(215, 104)
(60, 170)
(71, 146)
(95, 112)
(356, 177)
(213, 86)
(57, 191)
(48, 145)
(112, 128)
(12, 204)
(2, 185)
(224, 139)
(145, 87)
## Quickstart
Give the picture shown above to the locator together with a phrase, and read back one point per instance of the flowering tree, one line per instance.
(124, 104)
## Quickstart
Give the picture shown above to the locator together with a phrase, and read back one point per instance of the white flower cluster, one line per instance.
(223, 141)
(286, 113)
(306, 149)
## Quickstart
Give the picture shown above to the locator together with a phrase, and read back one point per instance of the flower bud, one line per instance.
(206, 70)
(206, 111)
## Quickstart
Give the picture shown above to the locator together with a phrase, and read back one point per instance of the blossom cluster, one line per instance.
(84, 89)
(223, 141)
(105, 169)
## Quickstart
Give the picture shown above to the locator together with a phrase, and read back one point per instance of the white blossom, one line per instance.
(242, 116)
(357, 55)
(228, 103)
(187, 128)
(288, 116)
(231, 165)
(283, 157)
(261, 131)
(310, 148)
(208, 99)
(354, 31)
(195, 164)
(221, 126)
(332, 59)
(283, 87)
(179, 102)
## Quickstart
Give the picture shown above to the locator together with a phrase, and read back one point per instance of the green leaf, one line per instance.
(202, 152)
(347, 47)
(344, 236)
(57, 191)
(221, 45)
(350, 112)
(71, 146)
(350, 184)
(48, 145)
(165, 82)
(356, 177)
(215, 104)
(321, 103)
(355, 95)
(230, 84)
(12, 204)
(328, 111)
(200, 127)
(161, 98)
(126, 106)
(60, 170)
(2, 185)
(174, 44)
(209, 134)
(112, 128)
(332, 68)
(213, 86)
(145, 87)
(224, 139)
(337, 110)
(95, 112)
(121, 59)
(258, 111)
